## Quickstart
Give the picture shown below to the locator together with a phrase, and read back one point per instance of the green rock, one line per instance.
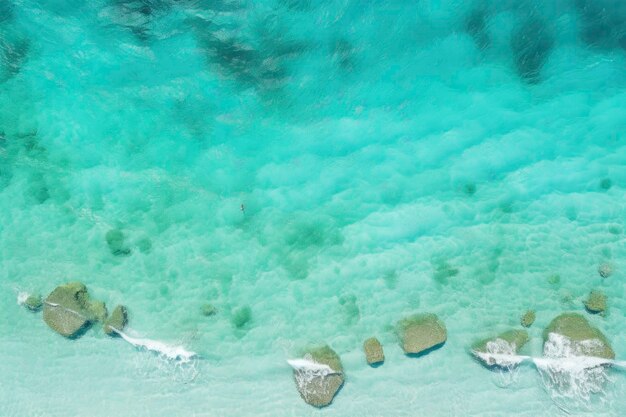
(421, 333)
(115, 241)
(66, 310)
(208, 310)
(373, 351)
(596, 303)
(319, 390)
(33, 302)
(528, 318)
(116, 321)
(241, 317)
(586, 340)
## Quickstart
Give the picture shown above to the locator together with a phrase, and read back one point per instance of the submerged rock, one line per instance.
(317, 387)
(208, 310)
(570, 334)
(116, 321)
(500, 350)
(605, 270)
(68, 310)
(596, 303)
(421, 333)
(528, 318)
(373, 351)
(115, 241)
(33, 302)
(241, 317)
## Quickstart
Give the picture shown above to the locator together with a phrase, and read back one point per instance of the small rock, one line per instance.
(528, 318)
(605, 270)
(554, 279)
(116, 321)
(319, 389)
(33, 302)
(596, 303)
(570, 334)
(421, 333)
(208, 310)
(373, 351)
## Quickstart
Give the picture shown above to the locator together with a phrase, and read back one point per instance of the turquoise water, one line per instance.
(391, 157)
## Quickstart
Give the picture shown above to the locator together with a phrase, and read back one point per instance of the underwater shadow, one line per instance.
(425, 352)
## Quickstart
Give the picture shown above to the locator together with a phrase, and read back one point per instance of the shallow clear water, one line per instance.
(391, 157)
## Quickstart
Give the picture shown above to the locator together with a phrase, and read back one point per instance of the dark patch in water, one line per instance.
(299, 5)
(443, 272)
(469, 189)
(115, 240)
(476, 26)
(37, 189)
(343, 54)
(138, 16)
(606, 184)
(144, 245)
(554, 279)
(350, 308)
(603, 22)
(259, 60)
(12, 56)
(531, 43)
(391, 279)
(241, 317)
(6, 11)
(425, 352)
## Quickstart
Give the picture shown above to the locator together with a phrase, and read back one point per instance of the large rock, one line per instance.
(570, 334)
(596, 303)
(116, 321)
(373, 351)
(319, 388)
(502, 349)
(421, 333)
(68, 310)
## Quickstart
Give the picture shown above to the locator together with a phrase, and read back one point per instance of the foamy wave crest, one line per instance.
(176, 352)
(501, 356)
(500, 353)
(308, 365)
(306, 370)
(569, 376)
(21, 297)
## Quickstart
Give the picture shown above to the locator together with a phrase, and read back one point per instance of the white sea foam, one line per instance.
(172, 352)
(569, 375)
(500, 353)
(307, 370)
(309, 366)
(21, 297)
